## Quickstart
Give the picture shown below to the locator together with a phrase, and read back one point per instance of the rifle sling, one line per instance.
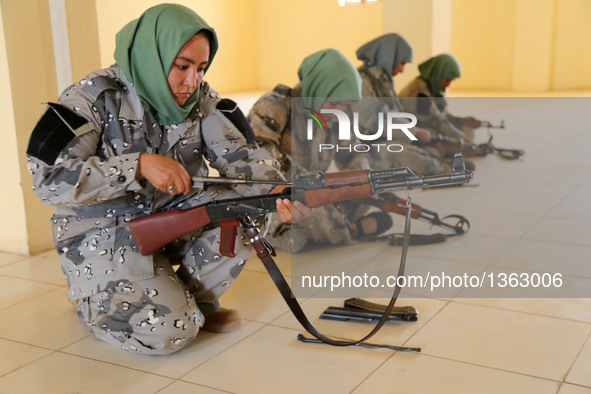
(264, 253)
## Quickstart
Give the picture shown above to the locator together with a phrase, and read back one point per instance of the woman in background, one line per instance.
(383, 58)
(328, 80)
(436, 75)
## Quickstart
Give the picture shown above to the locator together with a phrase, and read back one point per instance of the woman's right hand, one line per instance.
(424, 136)
(164, 173)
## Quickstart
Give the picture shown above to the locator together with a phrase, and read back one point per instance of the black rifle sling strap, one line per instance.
(264, 253)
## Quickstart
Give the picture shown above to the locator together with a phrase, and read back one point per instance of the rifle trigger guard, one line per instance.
(462, 225)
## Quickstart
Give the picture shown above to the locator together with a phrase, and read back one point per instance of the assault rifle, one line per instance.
(453, 145)
(489, 125)
(391, 203)
(154, 231)
(316, 189)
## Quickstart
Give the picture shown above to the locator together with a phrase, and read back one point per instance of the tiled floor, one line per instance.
(527, 216)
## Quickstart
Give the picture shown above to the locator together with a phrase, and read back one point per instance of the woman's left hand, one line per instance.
(292, 212)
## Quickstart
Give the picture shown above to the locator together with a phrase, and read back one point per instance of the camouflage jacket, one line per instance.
(280, 127)
(431, 111)
(375, 83)
(89, 173)
(378, 96)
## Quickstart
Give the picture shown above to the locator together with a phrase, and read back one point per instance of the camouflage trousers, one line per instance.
(163, 314)
(330, 224)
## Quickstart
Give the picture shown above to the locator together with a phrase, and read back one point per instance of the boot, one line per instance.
(222, 320)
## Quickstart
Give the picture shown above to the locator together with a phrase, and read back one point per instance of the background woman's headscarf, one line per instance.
(146, 48)
(327, 75)
(437, 69)
(386, 53)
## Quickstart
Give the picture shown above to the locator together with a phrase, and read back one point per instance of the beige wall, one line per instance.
(426, 24)
(28, 78)
(236, 63)
(572, 48)
(522, 45)
(482, 40)
(290, 30)
(84, 38)
(262, 42)
(13, 231)
(32, 81)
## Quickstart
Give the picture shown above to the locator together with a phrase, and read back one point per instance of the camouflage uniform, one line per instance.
(273, 123)
(89, 174)
(431, 112)
(378, 92)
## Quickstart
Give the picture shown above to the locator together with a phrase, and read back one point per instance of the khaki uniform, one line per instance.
(431, 112)
(138, 301)
(379, 96)
(275, 129)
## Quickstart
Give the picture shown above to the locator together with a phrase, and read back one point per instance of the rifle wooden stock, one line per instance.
(399, 207)
(154, 231)
(339, 182)
(319, 197)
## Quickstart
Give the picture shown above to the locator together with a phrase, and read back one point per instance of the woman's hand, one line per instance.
(424, 136)
(472, 122)
(292, 212)
(164, 173)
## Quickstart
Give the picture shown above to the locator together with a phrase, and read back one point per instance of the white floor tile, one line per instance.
(498, 224)
(9, 258)
(272, 360)
(179, 387)
(572, 389)
(61, 373)
(206, 346)
(561, 230)
(471, 248)
(579, 373)
(517, 342)
(16, 355)
(547, 256)
(578, 309)
(406, 373)
(44, 267)
(14, 291)
(48, 321)
(255, 296)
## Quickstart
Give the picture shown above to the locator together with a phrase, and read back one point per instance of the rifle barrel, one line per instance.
(412, 181)
(212, 179)
(489, 125)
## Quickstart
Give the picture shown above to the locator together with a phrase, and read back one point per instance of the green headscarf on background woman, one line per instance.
(437, 69)
(146, 48)
(328, 75)
(386, 53)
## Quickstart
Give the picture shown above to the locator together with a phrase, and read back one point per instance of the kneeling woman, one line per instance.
(124, 142)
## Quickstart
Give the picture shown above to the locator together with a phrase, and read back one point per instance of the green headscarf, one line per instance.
(386, 53)
(437, 69)
(146, 48)
(327, 75)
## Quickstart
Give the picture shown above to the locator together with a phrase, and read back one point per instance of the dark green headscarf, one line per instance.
(146, 48)
(327, 75)
(386, 53)
(437, 69)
